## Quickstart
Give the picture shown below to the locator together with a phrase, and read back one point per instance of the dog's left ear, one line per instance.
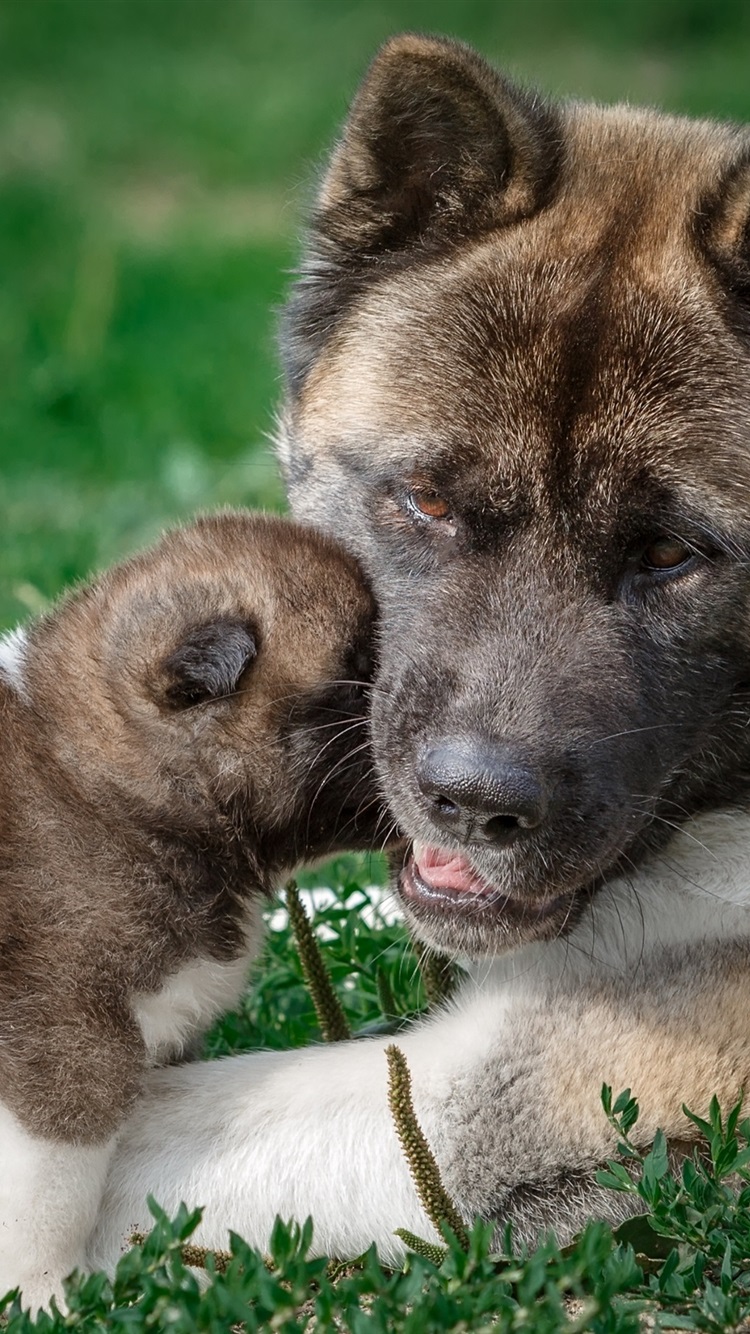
(209, 662)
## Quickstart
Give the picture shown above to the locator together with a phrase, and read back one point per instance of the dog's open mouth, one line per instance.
(443, 880)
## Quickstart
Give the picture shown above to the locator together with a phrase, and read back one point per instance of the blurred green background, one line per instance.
(156, 157)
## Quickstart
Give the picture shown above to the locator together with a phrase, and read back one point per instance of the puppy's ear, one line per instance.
(209, 662)
(438, 147)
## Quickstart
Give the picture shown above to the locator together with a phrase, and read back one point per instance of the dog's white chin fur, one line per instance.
(309, 1132)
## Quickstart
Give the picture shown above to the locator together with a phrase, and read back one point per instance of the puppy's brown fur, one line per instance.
(174, 738)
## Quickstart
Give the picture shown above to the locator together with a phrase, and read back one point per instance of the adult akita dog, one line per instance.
(519, 389)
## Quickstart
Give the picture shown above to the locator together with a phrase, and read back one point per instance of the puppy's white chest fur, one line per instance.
(192, 997)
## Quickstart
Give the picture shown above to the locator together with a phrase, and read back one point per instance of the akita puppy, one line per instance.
(175, 738)
(518, 368)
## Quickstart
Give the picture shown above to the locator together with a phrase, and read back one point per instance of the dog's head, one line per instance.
(518, 363)
(217, 686)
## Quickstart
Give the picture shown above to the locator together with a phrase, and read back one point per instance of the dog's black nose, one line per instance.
(480, 791)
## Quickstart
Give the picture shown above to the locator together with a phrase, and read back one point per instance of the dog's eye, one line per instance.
(429, 504)
(667, 553)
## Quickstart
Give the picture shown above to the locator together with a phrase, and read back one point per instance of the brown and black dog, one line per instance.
(518, 363)
(175, 738)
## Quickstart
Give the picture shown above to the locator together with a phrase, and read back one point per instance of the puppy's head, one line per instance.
(219, 682)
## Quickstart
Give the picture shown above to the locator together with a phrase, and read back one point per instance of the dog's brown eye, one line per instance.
(666, 554)
(430, 504)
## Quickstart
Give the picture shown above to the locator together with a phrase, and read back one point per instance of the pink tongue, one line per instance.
(441, 869)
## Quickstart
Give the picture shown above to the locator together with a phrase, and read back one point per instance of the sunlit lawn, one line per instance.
(155, 160)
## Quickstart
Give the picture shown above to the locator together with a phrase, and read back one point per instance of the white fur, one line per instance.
(49, 1194)
(309, 1132)
(271, 1133)
(697, 888)
(189, 1001)
(12, 657)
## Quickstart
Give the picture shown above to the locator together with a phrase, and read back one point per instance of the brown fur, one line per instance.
(188, 727)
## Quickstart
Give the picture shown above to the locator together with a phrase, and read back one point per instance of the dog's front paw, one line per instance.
(37, 1289)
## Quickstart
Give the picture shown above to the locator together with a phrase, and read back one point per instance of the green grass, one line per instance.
(155, 1291)
(366, 955)
(156, 157)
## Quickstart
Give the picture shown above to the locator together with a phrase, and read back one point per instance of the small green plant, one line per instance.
(425, 1172)
(331, 1017)
(366, 955)
(154, 1290)
(694, 1229)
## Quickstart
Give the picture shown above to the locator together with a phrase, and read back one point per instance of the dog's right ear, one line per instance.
(437, 146)
(435, 137)
(208, 662)
(723, 227)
